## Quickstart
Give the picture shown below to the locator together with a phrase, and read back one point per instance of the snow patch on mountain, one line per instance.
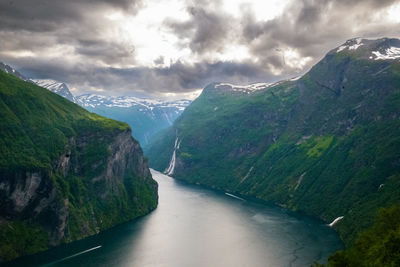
(10, 70)
(245, 88)
(352, 44)
(56, 87)
(390, 53)
(144, 104)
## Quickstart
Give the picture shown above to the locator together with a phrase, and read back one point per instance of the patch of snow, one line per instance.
(129, 102)
(335, 221)
(245, 88)
(341, 48)
(350, 45)
(390, 53)
(295, 78)
(356, 45)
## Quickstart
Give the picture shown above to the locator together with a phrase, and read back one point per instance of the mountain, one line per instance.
(8, 69)
(56, 87)
(145, 116)
(327, 143)
(65, 173)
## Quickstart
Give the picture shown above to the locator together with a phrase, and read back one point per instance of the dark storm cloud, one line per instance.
(309, 27)
(178, 77)
(76, 28)
(314, 27)
(207, 29)
(47, 15)
(41, 24)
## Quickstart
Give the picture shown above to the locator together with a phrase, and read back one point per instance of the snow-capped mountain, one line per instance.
(145, 116)
(379, 49)
(8, 69)
(95, 100)
(56, 87)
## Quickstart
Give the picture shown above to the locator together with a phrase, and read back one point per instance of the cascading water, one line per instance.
(171, 167)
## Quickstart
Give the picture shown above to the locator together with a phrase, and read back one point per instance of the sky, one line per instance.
(173, 48)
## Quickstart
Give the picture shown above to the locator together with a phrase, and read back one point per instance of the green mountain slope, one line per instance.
(327, 143)
(65, 173)
(378, 246)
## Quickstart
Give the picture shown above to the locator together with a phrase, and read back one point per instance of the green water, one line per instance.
(194, 226)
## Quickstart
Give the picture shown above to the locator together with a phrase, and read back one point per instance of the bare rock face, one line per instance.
(39, 198)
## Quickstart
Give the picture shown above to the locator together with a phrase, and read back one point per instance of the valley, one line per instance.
(271, 169)
(326, 143)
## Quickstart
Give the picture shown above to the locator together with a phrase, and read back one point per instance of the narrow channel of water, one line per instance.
(194, 226)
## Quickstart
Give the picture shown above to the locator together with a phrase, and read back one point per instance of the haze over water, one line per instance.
(194, 226)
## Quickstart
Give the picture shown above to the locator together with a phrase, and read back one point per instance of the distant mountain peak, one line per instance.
(59, 88)
(234, 89)
(95, 100)
(373, 49)
(10, 70)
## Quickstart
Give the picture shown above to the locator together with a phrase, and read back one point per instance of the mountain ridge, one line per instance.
(146, 116)
(65, 173)
(324, 144)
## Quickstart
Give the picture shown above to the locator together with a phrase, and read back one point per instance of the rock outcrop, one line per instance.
(70, 177)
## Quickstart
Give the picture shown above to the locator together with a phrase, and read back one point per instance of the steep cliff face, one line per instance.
(326, 143)
(64, 173)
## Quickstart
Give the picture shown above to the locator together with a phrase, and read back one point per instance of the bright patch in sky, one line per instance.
(144, 32)
(393, 13)
(294, 60)
(151, 40)
(19, 54)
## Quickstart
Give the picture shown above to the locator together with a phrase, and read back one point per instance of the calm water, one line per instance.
(194, 226)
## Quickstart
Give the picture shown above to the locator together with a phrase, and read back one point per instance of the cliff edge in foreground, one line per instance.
(65, 173)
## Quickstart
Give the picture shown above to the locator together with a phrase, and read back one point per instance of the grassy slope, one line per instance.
(36, 123)
(35, 127)
(299, 144)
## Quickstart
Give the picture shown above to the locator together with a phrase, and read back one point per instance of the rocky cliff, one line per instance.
(65, 173)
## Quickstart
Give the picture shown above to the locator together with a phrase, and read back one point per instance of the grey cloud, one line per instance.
(178, 77)
(42, 24)
(309, 26)
(207, 29)
(47, 15)
(159, 61)
(313, 27)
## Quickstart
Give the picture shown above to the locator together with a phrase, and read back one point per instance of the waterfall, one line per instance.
(171, 167)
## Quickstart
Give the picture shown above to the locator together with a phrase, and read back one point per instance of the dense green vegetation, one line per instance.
(59, 181)
(18, 238)
(36, 124)
(327, 144)
(378, 246)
